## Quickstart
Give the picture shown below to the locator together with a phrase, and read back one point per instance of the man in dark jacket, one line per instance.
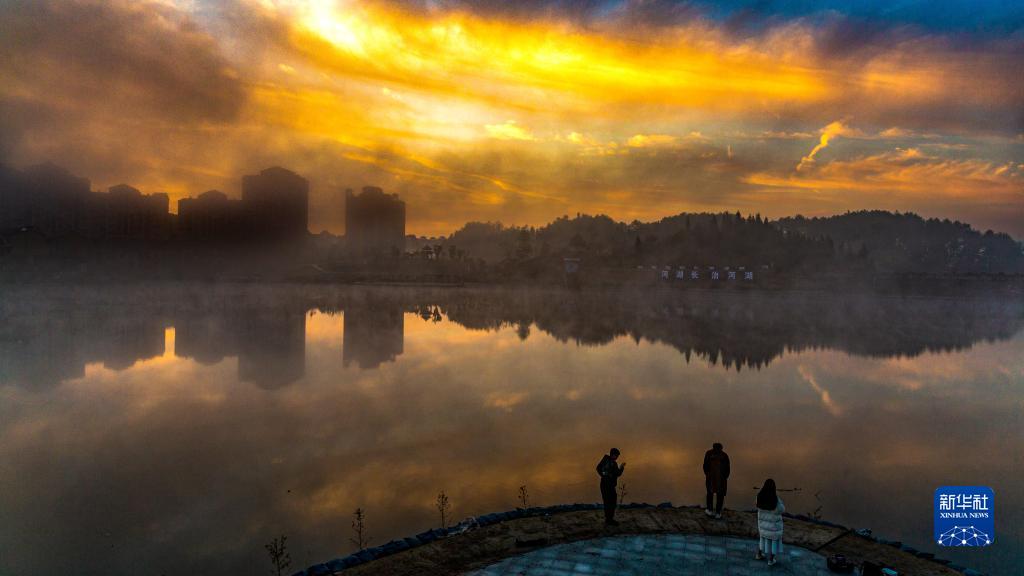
(609, 472)
(716, 476)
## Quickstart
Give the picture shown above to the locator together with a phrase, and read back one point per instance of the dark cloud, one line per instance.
(986, 17)
(137, 92)
(577, 10)
(844, 37)
(989, 18)
(646, 13)
(125, 60)
(255, 30)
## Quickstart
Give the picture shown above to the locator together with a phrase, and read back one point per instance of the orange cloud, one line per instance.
(508, 131)
(908, 171)
(837, 128)
(541, 66)
(605, 117)
(650, 140)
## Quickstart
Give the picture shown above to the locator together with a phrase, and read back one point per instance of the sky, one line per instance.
(521, 112)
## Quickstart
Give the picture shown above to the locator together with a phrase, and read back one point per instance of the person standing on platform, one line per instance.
(716, 479)
(609, 472)
(769, 523)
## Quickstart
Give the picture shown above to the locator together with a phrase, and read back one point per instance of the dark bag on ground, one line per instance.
(839, 563)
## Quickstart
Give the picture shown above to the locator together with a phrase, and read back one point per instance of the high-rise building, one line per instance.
(374, 222)
(124, 213)
(211, 216)
(277, 203)
(58, 205)
(45, 197)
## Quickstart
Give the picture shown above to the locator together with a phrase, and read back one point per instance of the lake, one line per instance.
(176, 429)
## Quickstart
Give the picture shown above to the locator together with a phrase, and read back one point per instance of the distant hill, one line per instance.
(704, 239)
(895, 242)
(875, 241)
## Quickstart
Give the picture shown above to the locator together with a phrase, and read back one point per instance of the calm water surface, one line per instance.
(177, 429)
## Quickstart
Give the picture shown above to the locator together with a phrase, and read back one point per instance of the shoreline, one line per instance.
(994, 285)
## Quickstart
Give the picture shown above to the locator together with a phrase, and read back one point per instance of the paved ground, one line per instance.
(669, 554)
(663, 529)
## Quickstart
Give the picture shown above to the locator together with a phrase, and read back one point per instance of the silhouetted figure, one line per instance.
(609, 472)
(769, 522)
(716, 478)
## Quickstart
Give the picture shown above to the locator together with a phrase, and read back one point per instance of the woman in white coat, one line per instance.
(769, 522)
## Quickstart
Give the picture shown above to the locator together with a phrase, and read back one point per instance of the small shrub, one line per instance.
(361, 539)
(444, 508)
(279, 556)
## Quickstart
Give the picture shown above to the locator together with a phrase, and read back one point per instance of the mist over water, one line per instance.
(176, 429)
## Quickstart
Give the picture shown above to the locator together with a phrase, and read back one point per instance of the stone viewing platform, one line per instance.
(572, 539)
(661, 554)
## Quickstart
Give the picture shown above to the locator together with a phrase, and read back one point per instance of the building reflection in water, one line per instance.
(173, 464)
(42, 342)
(40, 351)
(374, 334)
(273, 349)
(270, 343)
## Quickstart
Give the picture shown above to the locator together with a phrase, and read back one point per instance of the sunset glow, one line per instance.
(478, 111)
